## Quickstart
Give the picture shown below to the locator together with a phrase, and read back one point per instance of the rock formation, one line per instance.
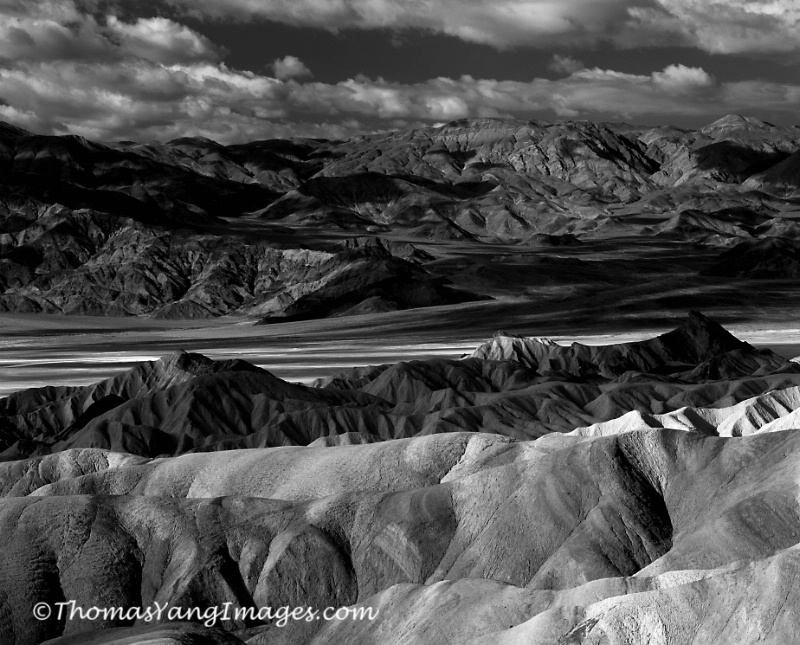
(657, 498)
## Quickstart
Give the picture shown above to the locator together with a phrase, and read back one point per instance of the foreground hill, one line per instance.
(528, 493)
(191, 228)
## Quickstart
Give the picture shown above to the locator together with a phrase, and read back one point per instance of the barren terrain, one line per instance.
(501, 381)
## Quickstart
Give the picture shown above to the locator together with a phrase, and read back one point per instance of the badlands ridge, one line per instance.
(640, 492)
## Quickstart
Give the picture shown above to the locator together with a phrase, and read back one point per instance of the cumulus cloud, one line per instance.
(683, 79)
(718, 26)
(726, 26)
(500, 23)
(57, 30)
(721, 26)
(160, 40)
(141, 100)
(39, 36)
(76, 66)
(55, 10)
(290, 67)
(565, 64)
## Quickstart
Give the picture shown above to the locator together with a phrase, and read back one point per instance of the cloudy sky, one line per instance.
(236, 70)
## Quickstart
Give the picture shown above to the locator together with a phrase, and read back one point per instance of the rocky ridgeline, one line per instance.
(518, 387)
(192, 228)
(605, 494)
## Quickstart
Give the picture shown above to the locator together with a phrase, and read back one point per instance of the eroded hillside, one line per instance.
(191, 228)
(601, 494)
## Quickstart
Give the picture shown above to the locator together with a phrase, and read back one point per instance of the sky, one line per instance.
(240, 70)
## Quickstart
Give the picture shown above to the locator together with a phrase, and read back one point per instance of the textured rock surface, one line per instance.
(609, 535)
(657, 499)
(519, 387)
(170, 634)
(191, 228)
(531, 492)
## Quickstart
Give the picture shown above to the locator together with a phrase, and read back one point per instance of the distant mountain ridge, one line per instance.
(192, 228)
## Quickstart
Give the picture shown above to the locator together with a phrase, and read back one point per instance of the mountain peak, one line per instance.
(699, 339)
(200, 365)
(171, 369)
(695, 341)
(735, 122)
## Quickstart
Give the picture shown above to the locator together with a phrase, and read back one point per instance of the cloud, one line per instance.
(77, 66)
(726, 26)
(500, 23)
(141, 100)
(39, 36)
(719, 26)
(56, 10)
(565, 64)
(160, 40)
(53, 30)
(683, 79)
(290, 67)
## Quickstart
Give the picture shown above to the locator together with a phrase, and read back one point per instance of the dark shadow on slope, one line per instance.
(733, 162)
(771, 258)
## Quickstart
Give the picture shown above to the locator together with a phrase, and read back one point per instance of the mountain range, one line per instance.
(531, 491)
(468, 211)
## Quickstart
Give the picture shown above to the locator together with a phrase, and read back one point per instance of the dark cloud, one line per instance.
(720, 26)
(565, 64)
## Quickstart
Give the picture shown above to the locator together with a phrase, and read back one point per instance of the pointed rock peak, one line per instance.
(739, 120)
(735, 122)
(186, 361)
(504, 337)
(701, 338)
(697, 321)
(199, 365)
(500, 333)
(524, 350)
